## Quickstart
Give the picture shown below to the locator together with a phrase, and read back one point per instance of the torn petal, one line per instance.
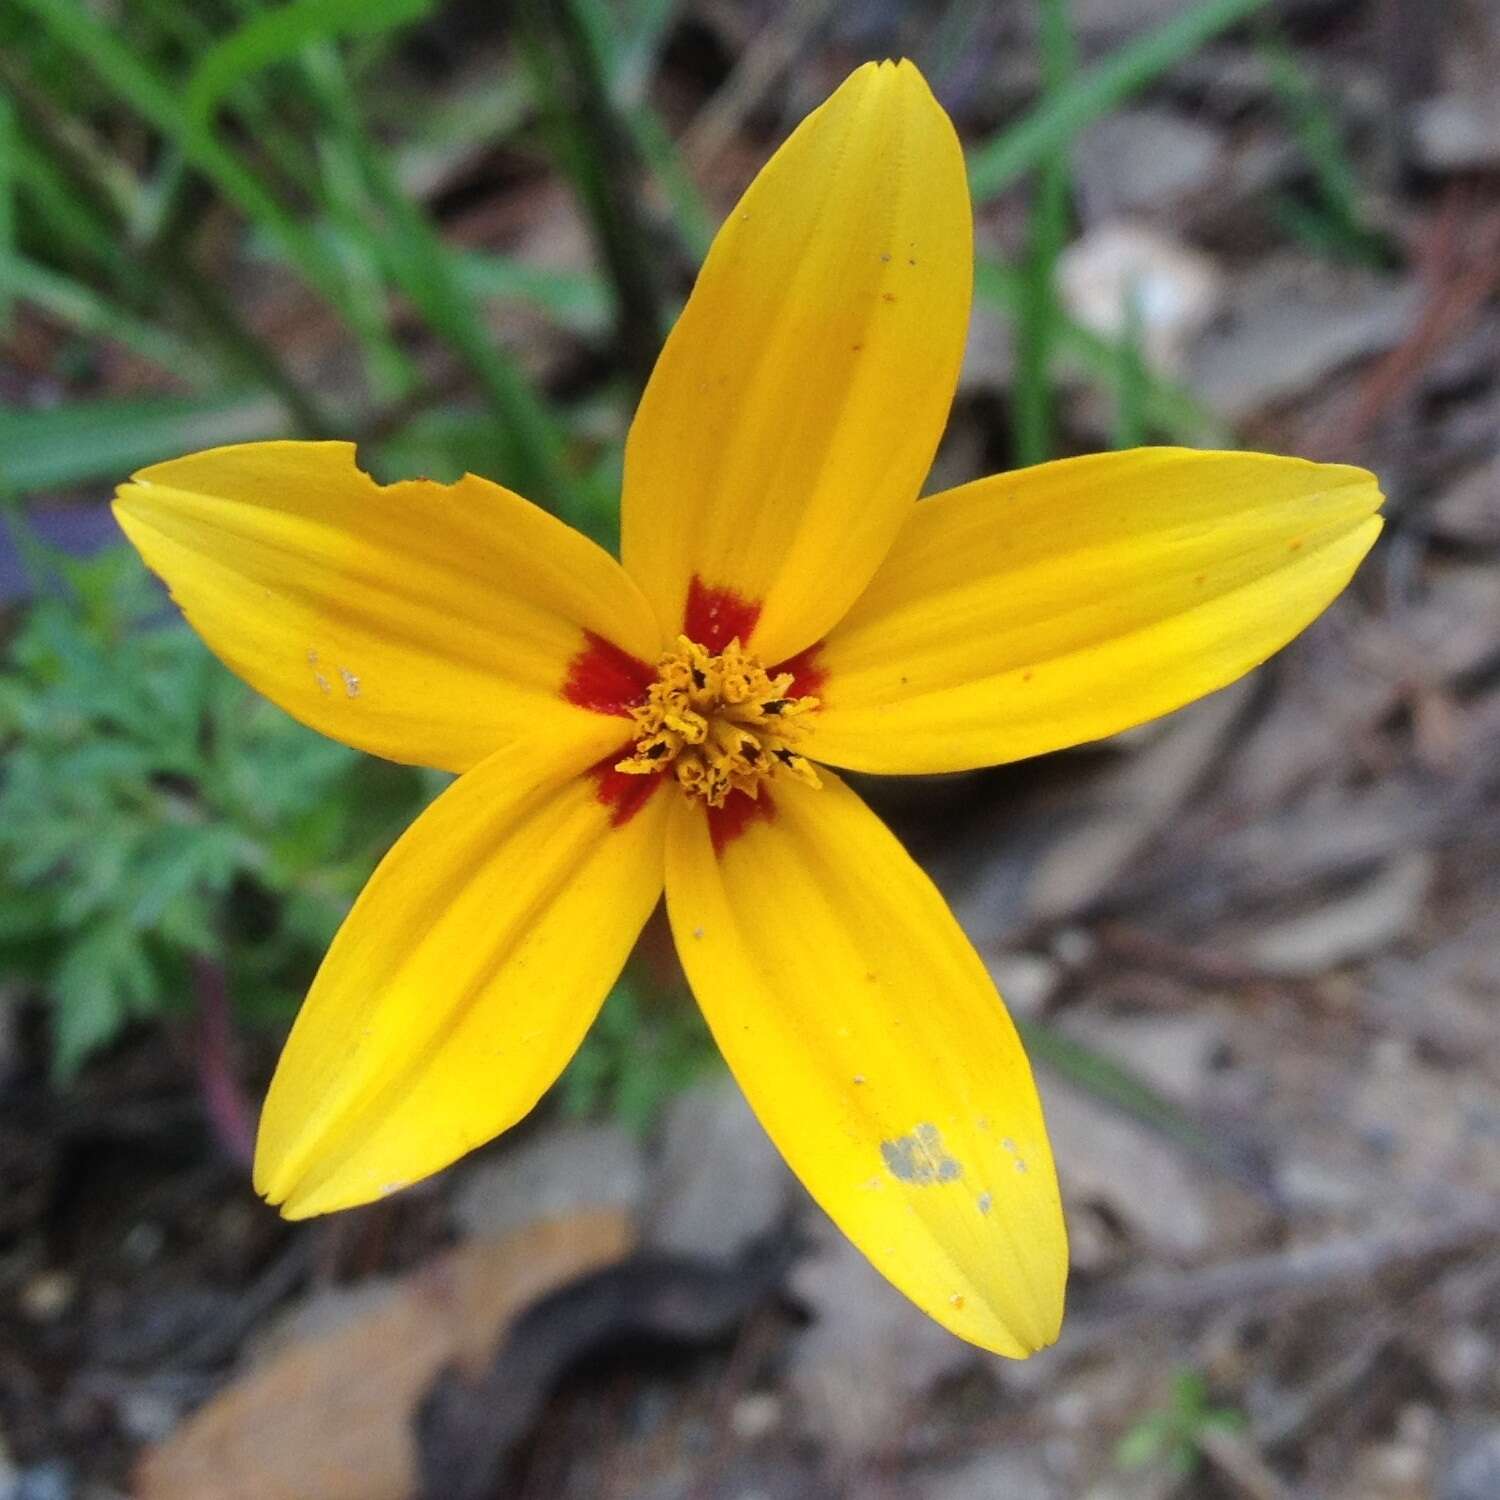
(428, 623)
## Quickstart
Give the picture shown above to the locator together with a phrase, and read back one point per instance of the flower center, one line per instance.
(720, 722)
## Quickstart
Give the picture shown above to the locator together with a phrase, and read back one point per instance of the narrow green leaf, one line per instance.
(390, 371)
(1033, 425)
(70, 222)
(1169, 408)
(1131, 380)
(424, 268)
(106, 439)
(642, 32)
(9, 172)
(157, 101)
(994, 166)
(272, 36)
(1118, 1086)
(630, 64)
(89, 312)
(1338, 225)
(577, 300)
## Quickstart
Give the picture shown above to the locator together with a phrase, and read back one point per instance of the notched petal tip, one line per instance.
(274, 1178)
(296, 1210)
(296, 1182)
(900, 76)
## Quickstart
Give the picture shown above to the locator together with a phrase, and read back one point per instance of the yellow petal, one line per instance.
(463, 979)
(870, 1042)
(424, 622)
(794, 412)
(1058, 604)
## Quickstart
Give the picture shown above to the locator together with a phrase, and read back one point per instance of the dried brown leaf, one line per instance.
(330, 1415)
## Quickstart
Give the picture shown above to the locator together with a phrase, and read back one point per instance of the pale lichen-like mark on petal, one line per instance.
(919, 1158)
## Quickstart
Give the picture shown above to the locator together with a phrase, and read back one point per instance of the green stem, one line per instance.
(1033, 425)
(9, 175)
(572, 91)
(1053, 123)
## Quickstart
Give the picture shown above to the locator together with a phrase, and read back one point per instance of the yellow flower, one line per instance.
(783, 601)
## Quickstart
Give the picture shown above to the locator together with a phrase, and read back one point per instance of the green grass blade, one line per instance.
(86, 311)
(139, 85)
(1338, 227)
(1131, 378)
(1095, 91)
(629, 64)
(696, 223)
(1033, 426)
(9, 174)
(1169, 408)
(272, 36)
(575, 300)
(586, 131)
(466, 118)
(1119, 1087)
(389, 370)
(86, 441)
(70, 223)
(94, 202)
(642, 32)
(418, 261)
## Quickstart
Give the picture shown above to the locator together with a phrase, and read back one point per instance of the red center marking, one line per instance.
(605, 679)
(714, 617)
(624, 794)
(808, 677)
(727, 823)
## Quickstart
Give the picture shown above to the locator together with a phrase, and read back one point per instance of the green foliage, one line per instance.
(286, 115)
(1090, 95)
(1047, 235)
(1173, 1435)
(153, 809)
(1332, 220)
(271, 36)
(636, 1056)
(107, 438)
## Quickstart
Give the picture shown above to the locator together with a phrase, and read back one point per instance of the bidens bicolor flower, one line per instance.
(784, 604)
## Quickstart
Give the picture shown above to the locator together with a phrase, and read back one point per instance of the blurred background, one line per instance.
(1253, 946)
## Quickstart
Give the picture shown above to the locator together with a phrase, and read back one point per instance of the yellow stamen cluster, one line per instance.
(720, 722)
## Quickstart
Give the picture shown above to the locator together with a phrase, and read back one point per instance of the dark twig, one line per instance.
(467, 1431)
(281, 1277)
(224, 1102)
(1460, 272)
(1246, 1472)
(1286, 1275)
